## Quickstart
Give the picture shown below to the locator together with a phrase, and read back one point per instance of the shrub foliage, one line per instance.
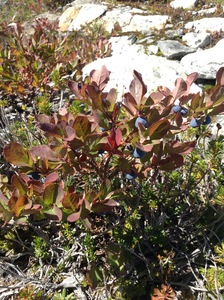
(134, 175)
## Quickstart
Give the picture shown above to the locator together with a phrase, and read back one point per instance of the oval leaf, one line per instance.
(15, 154)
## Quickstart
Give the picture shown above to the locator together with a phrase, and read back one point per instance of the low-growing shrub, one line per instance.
(146, 216)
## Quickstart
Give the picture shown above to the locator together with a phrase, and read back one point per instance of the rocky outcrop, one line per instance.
(205, 62)
(187, 43)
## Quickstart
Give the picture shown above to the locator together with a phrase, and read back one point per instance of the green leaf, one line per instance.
(71, 201)
(115, 256)
(54, 213)
(94, 275)
(19, 184)
(15, 154)
(53, 193)
(82, 126)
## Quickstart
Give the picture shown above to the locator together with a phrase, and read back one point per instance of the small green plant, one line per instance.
(41, 249)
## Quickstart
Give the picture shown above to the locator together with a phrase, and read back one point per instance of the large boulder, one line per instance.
(206, 25)
(76, 16)
(205, 62)
(155, 70)
(174, 49)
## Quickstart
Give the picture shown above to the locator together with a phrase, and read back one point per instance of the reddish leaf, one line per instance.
(51, 178)
(191, 78)
(146, 148)
(74, 89)
(54, 213)
(44, 152)
(217, 110)
(137, 87)
(158, 129)
(15, 154)
(115, 138)
(178, 119)
(75, 216)
(69, 133)
(42, 118)
(220, 76)
(104, 206)
(171, 162)
(130, 104)
(111, 98)
(217, 96)
(180, 88)
(175, 147)
(100, 77)
(51, 128)
(196, 101)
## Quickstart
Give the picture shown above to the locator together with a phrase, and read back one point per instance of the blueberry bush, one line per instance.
(127, 193)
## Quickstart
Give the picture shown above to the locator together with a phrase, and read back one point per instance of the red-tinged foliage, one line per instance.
(97, 147)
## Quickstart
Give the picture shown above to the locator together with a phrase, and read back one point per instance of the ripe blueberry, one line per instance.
(207, 120)
(194, 123)
(141, 120)
(184, 111)
(177, 108)
(131, 176)
(138, 153)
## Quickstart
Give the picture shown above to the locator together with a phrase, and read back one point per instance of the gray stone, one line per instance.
(174, 49)
(171, 34)
(205, 62)
(197, 40)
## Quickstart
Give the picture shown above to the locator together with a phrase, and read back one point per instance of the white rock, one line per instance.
(205, 62)
(122, 45)
(75, 16)
(156, 71)
(87, 14)
(207, 11)
(186, 4)
(196, 40)
(153, 49)
(145, 23)
(119, 15)
(206, 24)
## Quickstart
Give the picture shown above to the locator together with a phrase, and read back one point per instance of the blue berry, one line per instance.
(207, 120)
(184, 111)
(138, 153)
(177, 108)
(194, 123)
(131, 176)
(141, 120)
